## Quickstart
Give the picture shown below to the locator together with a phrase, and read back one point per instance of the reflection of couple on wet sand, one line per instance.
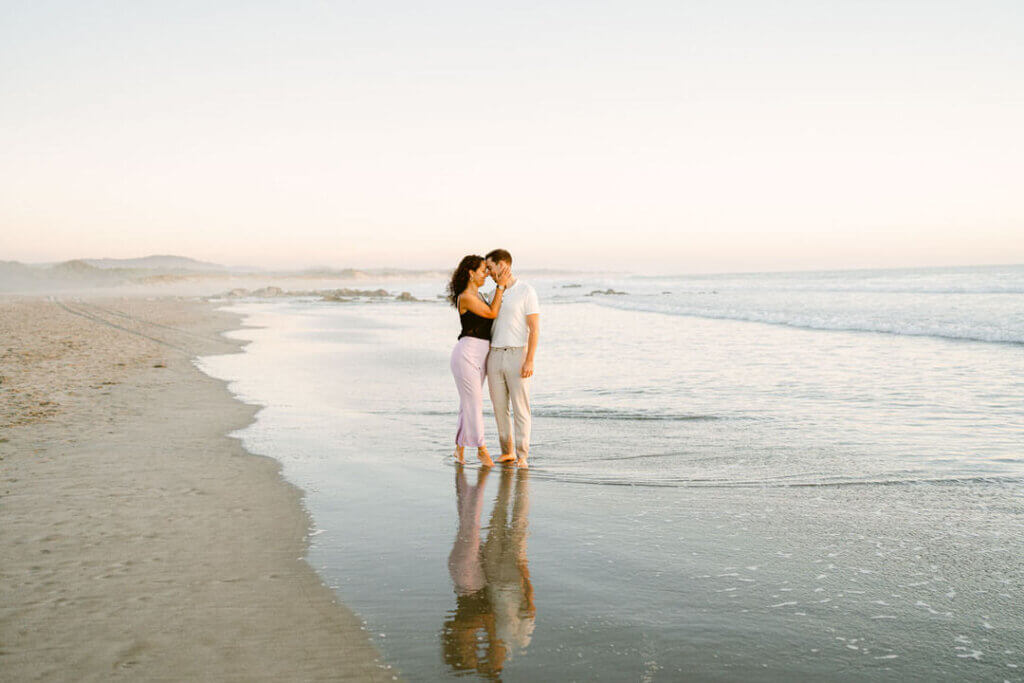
(494, 614)
(497, 343)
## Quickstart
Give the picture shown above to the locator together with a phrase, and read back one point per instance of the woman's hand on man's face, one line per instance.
(500, 273)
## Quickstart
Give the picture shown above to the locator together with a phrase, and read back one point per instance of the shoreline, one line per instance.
(140, 540)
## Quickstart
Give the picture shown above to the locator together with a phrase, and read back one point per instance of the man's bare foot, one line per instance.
(521, 464)
(506, 457)
(460, 455)
(484, 456)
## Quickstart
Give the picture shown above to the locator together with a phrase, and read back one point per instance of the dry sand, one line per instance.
(137, 540)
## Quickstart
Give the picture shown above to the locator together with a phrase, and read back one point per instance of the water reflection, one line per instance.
(494, 613)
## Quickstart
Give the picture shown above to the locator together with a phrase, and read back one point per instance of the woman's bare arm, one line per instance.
(479, 306)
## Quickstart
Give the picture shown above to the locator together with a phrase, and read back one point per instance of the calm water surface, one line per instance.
(776, 487)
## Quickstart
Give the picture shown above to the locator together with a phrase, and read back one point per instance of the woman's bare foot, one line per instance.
(521, 464)
(460, 455)
(506, 457)
(484, 456)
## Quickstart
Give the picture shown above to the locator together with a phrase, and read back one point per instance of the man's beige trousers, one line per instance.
(510, 396)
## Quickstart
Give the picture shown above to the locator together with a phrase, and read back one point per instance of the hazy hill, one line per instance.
(161, 262)
(15, 276)
(80, 270)
(16, 270)
(162, 269)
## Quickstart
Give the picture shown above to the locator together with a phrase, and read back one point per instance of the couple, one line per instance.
(497, 342)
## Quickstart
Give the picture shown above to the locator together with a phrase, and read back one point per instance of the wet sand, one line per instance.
(138, 540)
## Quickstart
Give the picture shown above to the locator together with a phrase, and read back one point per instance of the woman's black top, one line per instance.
(474, 325)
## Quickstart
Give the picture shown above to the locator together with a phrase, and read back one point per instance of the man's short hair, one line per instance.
(499, 255)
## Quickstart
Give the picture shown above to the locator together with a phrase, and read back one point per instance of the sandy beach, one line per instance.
(139, 541)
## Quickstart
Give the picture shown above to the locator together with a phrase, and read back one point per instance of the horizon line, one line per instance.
(255, 269)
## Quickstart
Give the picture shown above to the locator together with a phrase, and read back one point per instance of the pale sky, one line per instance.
(647, 136)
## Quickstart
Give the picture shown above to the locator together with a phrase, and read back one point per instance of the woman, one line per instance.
(469, 357)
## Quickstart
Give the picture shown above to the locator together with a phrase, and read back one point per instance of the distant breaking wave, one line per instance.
(705, 286)
(1007, 279)
(979, 303)
(834, 323)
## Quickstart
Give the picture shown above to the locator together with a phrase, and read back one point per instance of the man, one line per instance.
(514, 338)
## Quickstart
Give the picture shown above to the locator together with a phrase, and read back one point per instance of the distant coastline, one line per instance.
(163, 269)
(105, 272)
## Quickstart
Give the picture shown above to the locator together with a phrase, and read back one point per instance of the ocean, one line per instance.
(733, 477)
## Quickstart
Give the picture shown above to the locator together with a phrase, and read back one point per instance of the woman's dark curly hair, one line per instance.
(460, 277)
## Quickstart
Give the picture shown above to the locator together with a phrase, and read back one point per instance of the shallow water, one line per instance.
(711, 499)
